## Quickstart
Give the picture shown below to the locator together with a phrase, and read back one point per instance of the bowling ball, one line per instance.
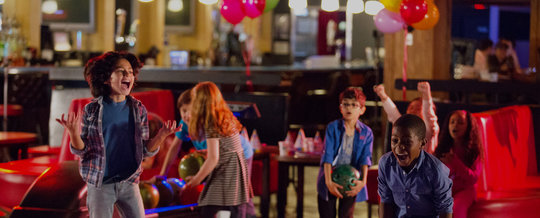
(190, 164)
(166, 192)
(190, 195)
(149, 194)
(177, 186)
(345, 175)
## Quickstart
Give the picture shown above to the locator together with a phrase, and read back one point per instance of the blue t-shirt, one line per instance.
(119, 135)
(200, 145)
(425, 191)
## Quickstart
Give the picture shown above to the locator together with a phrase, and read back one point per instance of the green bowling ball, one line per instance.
(149, 194)
(345, 175)
(190, 164)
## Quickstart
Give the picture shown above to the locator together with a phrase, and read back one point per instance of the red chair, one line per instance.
(17, 176)
(509, 185)
(256, 175)
(372, 186)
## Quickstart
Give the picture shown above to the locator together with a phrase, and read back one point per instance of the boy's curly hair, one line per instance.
(98, 70)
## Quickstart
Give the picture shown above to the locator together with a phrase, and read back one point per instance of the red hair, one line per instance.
(210, 111)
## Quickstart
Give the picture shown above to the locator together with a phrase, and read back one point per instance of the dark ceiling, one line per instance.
(496, 2)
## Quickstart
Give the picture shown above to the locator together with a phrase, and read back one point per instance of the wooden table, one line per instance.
(22, 139)
(284, 163)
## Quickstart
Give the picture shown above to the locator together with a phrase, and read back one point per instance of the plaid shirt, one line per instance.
(92, 157)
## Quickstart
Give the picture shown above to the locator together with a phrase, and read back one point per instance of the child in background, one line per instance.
(114, 136)
(460, 149)
(228, 186)
(348, 141)
(422, 107)
(412, 182)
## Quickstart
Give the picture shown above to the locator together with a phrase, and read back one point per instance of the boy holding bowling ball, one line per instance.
(348, 141)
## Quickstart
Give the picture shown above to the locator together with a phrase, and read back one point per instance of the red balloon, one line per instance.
(232, 11)
(413, 11)
(253, 8)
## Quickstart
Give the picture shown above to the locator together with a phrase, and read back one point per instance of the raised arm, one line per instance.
(72, 126)
(169, 127)
(388, 105)
(429, 116)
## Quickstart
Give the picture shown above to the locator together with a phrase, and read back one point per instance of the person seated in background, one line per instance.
(484, 49)
(460, 149)
(502, 63)
(512, 52)
(412, 182)
(422, 107)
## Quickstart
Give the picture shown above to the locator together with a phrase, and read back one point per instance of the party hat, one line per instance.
(244, 133)
(255, 142)
(300, 140)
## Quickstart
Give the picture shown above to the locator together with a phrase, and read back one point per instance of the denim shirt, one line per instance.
(361, 154)
(425, 191)
(92, 157)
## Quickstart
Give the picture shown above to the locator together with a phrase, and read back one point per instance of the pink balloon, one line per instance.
(388, 22)
(232, 11)
(253, 8)
(413, 11)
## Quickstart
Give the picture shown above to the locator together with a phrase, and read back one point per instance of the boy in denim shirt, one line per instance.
(412, 182)
(347, 142)
(114, 136)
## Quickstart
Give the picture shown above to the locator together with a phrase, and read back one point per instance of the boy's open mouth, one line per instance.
(125, 84)
(402, 157)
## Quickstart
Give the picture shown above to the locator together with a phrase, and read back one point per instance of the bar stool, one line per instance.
(9, 111)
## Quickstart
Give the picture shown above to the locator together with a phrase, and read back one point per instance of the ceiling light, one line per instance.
(175, 5)
(373, 7)
(355, 6)
(49, 6)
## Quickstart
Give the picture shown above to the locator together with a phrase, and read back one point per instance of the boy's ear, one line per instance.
(424, 142)
(362, 110)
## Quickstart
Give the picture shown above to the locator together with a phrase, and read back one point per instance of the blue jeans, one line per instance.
(126, 196)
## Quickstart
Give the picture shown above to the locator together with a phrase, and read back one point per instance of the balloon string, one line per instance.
(404, 88)
(247, 59)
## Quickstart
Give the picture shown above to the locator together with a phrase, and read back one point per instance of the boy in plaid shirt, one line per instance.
(114, 136)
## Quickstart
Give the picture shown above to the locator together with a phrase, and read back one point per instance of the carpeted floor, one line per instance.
(310, 200)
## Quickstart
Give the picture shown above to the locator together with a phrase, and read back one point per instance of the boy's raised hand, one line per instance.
(379, 89)
(72, 123)
(424, 89)
(333, 189)
(169, 127)
(358, 186)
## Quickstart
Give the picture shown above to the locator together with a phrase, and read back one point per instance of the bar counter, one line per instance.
(260, 75)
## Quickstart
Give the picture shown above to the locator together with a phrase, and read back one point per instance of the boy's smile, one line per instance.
(406, 146)
(121, 80)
